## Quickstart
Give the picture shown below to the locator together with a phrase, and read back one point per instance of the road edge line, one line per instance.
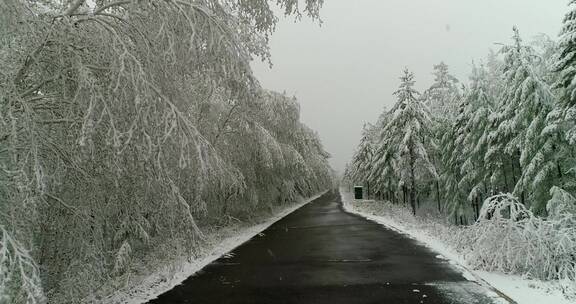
(477, 279)
(191, 268)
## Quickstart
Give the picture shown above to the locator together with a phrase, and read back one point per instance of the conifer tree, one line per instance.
(566, 68)
(477, 107)
(451, 159)
(383, 169)
(362, 160)
(442, 96)
(564, 116)
(522, 111)
(442, 99)
(410, 134)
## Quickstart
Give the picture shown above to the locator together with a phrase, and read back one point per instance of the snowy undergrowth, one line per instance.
(492, 251)
(150, 283)
(508, 238)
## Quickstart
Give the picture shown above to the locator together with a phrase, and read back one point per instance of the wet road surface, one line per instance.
(321, 254)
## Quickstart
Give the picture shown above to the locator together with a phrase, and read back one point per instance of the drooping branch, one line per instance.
(73, 7)
(101, 9)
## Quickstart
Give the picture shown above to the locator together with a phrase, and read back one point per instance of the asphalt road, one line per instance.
(322, 254)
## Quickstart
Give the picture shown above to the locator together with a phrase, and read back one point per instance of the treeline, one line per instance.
(510, 129)
(127, 128)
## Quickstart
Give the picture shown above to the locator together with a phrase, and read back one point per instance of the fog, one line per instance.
(344, 71)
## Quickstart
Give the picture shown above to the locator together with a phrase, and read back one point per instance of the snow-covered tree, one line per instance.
(383, 168)
(526, 101)
(443, 95)
(566, 68)
(464, 147)
(410, 134)
(561, 128)
(451, 161)
(119, 126)
(362, 159)
(442, 98)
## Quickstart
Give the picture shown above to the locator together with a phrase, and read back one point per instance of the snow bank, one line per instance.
(438, 236)
(166, 278)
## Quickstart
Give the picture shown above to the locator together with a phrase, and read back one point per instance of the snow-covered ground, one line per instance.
(166, 278)
(522, 291)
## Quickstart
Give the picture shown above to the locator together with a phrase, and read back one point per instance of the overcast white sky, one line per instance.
(345, 71)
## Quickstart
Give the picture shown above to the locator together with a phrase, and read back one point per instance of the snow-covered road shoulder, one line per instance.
(168, 277)
(513, 288)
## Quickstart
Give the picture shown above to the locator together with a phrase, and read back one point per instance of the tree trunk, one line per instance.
(514, 179)
(456, 218)
(478, 199)
(473, 204)
(368, 189)
(412, 181)
(438, 196)
(404, 195)
(505, 176)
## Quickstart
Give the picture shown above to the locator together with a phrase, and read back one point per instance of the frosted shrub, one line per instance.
(508, 238)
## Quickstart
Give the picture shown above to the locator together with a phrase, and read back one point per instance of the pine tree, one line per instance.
(442, 97)
(362, 160)
(410, 134)
(383, 169)
(451, 161)
(477, 107)
(565, 66)
(561, 122)
(524, 106)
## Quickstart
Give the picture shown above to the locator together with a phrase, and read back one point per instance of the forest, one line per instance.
(495, 155)
(132, 131)
(510, 130)
(128, 128)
